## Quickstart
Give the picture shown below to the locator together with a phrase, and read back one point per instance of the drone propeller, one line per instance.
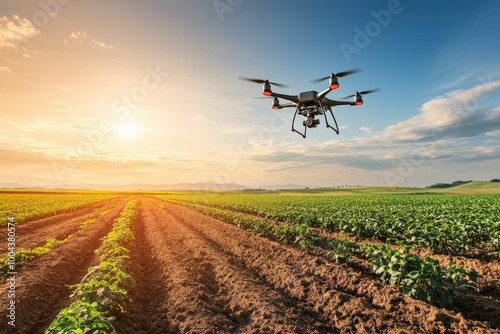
(260, 81)
(363, 93)
(339, 75)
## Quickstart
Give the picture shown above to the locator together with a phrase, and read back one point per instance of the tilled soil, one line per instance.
(196, 274)
(483, 306)
(42, 285)
(35, 233)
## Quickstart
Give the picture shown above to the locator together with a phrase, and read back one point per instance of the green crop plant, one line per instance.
(450, 224)
(422, 279)
(23, 256)
(297, 235)
(341, 250)
(25, 207)
(101, 294)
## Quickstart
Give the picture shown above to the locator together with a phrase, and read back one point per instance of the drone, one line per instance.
(311, 104)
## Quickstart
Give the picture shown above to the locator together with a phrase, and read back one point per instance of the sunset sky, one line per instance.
(148, 91)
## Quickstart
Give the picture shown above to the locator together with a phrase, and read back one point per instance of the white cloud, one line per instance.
(438, 133)
(82, 37)
(5, 69)
(366, 129)
(15, 30)
(457, 114)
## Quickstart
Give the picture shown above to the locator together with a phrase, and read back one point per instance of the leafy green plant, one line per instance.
(421, 279)
(101, 294)
(297, 235)
(82, 317)
(341, 250)
(23, 256)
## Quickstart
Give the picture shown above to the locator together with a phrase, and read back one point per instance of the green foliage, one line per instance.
(451, 224)
(449, 185)
(421, 279)
(26, 207)
(102, 294)
(23, 256)
(342, 250)
(86, 223)
(82, 317)
(297, 235)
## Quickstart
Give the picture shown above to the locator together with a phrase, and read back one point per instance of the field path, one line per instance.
(41, 286)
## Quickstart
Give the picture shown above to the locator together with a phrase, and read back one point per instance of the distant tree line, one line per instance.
(455, 183)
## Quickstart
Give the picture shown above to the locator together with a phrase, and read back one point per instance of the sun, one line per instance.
(128, 129)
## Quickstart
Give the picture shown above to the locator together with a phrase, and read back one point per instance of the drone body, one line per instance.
(312, 103)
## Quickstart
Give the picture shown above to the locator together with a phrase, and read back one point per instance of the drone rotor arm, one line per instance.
(292, 98)
(333, 103)
(324, 93)
(289, 105)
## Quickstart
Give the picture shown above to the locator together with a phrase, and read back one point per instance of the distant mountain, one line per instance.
(12, 185)
(134, 186)
(283, 186)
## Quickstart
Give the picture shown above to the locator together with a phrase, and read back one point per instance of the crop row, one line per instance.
(18, 258)
(25, 207)
(422, 279)
(101, 295)
(452, 224)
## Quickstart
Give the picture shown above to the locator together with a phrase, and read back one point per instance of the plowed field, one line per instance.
(196, 274)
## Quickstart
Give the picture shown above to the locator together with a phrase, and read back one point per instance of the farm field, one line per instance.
(31, 205)
(233, 262)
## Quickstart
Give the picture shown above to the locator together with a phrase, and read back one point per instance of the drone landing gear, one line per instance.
(311, 122)
(336, 128)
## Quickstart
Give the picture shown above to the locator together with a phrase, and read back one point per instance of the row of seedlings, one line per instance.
(422, 279)
(101, 296)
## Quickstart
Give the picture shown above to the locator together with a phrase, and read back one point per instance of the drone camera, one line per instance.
(311, 122)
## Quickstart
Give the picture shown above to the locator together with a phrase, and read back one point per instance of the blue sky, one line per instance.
(68, 67)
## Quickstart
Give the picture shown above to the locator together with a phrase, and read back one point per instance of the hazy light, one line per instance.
(128, 129)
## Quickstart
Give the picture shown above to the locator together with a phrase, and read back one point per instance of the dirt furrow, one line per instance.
(42, 285)
(206, 290)
(148, 311)
(352, 302)
(35, 233)
(486, 263)
(483, 306)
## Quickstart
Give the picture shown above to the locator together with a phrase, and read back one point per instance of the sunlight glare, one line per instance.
(128, 129)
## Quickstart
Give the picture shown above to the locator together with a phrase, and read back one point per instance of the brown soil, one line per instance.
(483, 306)
(35, 233)
(42, 285)
(196, 274)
